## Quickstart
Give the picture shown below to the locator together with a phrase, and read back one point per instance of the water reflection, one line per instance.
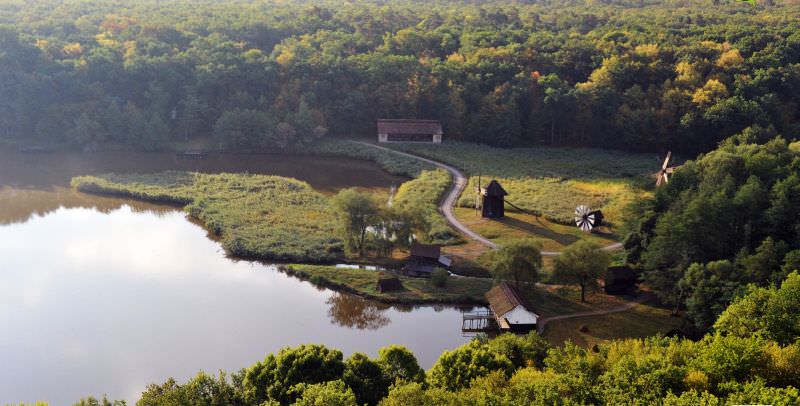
(356, 312)
(94, 303)
(37, 184)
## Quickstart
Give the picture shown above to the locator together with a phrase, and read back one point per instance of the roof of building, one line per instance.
(504, 298)
(426, 251)
(404, 126)
(495, 190)
(389, 284)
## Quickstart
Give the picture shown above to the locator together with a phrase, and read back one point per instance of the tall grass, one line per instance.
(255, 216)
(549, 181)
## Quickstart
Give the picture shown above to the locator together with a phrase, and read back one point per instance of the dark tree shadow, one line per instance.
(356, 312)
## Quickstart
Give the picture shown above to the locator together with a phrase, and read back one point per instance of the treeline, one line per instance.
(751, 358)
(725, 223)
(641, 75)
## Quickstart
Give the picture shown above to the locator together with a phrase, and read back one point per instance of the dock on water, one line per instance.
(478, 322)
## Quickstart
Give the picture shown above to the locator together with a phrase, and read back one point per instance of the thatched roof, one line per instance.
(504, 298)
(399, 126)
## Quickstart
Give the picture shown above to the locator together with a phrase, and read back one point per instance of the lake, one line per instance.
(101, 295)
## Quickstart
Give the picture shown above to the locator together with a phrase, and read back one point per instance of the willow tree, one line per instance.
(582, 264)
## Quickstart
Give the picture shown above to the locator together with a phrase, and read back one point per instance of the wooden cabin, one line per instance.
(388, 283)
(493, 201)
(620, 280)
(510, 309)
(400, 130)
(424, 260)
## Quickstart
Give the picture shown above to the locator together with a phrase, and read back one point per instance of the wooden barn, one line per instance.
(620, 280)
(424, 260)
(399, 130)
(493, 201)
(388, 283)
(510, 309)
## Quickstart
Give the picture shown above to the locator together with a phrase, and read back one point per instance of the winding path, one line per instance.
(449, 202)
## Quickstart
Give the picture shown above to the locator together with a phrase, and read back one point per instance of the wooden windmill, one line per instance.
(587, 219)
(666, 171)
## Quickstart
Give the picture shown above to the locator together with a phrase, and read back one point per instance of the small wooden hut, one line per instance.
(620, 280)
(493, 201)
(401, 130)
(423, 261)
(388, 283)
(510, 309)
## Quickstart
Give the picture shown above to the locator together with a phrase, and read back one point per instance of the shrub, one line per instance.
(439, 277)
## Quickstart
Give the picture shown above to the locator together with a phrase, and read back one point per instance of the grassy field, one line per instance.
(255, 216)
(417, 290)
(549, 181)
(641, 321)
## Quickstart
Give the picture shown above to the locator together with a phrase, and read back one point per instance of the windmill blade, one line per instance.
(666, 161)
(666, 177)
(659, 179)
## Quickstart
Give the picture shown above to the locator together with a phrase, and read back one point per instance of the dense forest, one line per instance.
(630, 74)
(726, 223)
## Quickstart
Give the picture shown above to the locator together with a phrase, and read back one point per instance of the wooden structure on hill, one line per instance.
(402, 130)
(493, 205)
(511, 311)
(424, 259)
(388, 283)
(620, 280)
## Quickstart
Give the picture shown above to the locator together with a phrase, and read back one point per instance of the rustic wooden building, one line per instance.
(493, 201)
(424, 260)
(620, 280)
(510, 309)
(399, 130)
(388, 283)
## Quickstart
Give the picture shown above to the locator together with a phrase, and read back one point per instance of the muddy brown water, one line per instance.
(104, 296)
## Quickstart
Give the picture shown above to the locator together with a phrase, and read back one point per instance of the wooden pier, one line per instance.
(478, 322)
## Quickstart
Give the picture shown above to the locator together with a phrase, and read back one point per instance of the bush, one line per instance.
(439, 277)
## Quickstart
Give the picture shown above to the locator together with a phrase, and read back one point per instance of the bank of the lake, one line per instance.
(361, 282)
(255, 216)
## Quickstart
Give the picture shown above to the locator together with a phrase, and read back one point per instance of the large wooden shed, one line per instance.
(404, 130)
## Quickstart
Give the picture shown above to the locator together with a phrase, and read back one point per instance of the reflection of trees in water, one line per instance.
(355, 312)
(18, 205)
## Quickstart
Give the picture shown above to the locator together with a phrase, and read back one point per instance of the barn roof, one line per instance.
(495, 190)
(404, 126)
(504, 298)
(426, 251)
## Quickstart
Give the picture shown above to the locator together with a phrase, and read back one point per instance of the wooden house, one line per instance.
(388, 283)
(510, 309)
(493, 201)
(620, 280)
(424, 260)
(400, 130)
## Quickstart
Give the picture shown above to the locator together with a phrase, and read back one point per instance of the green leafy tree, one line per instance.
(357, 213)
(519, 262)
(399, 364)
(366, 379)
(276, 376)
(582, 264)
(455, 369)
(332, 393)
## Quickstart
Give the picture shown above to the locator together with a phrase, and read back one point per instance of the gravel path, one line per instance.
(636, 302)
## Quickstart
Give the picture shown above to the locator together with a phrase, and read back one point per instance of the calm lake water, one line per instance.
(103, 295)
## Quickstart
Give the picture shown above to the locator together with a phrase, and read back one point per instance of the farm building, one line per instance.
(425, 259)
(620, 280)
(510, 309)
(396, 130)
(388, 283)
(493, 201)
